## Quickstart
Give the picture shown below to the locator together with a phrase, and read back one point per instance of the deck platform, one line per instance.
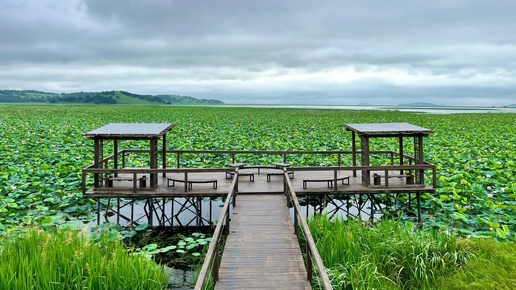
(260, 186)
(261, 251)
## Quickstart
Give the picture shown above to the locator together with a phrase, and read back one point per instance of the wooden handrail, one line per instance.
(134, 171)
(92, 170)
(212, 258)
(311, 248)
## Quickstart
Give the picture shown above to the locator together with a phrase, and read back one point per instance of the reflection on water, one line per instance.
(197, 211)
(175, 212)
(180, 279)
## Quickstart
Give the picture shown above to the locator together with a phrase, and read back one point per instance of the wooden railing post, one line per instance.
(309, 265)
(226, 227)
(335, 180)
(186, 181)
(386, 178)
(216, 264)
(134, 182)
(296, 223)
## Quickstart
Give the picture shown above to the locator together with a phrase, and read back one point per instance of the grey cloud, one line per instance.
(263, 50)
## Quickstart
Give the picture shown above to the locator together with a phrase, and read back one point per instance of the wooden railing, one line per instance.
(284, 153)
(312, 255)
(135, 171)
(210, 267)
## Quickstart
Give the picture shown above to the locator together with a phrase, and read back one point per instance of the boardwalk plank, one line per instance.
(262, 251)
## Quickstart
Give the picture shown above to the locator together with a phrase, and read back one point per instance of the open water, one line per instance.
(428, 110)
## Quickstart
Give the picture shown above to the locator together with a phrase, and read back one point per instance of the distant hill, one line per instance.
(109, 97)
(419, 104)
(511, 106)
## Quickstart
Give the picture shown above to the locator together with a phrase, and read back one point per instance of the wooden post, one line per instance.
(115, 156)
(296, 222)
(216, 263)
(401, 152)
(227, 223)
(364, 141)
(335, 180)
(164, 154)
(151, 208)
(354, 152)
(386, 178)
(308, 262)
(98, 155)
(153, 161)
(186, 181)
(135, 180)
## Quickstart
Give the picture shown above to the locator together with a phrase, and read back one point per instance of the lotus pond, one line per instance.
(43, 152)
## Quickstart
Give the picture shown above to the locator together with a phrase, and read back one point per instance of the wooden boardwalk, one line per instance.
(262, 251)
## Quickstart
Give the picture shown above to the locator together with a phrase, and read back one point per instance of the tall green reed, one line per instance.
(66, 259)
(388, 255)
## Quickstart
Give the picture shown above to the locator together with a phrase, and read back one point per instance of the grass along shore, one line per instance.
(395, 255)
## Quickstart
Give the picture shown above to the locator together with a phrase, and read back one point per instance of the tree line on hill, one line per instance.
(108, 97)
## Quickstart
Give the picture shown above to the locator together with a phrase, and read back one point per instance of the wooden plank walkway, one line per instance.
(262, 251)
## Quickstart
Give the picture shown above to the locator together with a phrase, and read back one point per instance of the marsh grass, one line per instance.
(66, 259)
(494, 267)
(389, 255)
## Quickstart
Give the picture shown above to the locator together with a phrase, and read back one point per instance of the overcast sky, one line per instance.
(450, 52)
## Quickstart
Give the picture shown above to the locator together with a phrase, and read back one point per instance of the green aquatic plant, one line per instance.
(68, 259)
(388, 255)
(43, 153)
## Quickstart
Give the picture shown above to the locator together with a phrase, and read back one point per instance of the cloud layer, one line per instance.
(302, 52)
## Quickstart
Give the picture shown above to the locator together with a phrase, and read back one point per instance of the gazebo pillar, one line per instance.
(401, 152)
(164, 154)
(364, 143)
(153, 162)
(115, 155)
(418, 154)
(354, 151)
(98, 155)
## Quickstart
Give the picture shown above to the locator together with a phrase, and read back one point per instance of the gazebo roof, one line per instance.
(130, 131)
(387, 129)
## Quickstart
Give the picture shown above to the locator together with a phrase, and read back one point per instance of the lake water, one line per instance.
(429, 110)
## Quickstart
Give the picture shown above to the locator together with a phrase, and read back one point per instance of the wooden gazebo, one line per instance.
(135, 131)
(391, 130)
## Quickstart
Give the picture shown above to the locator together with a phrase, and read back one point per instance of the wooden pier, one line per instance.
(262, 251)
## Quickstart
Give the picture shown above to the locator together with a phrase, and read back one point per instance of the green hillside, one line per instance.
(108, 97)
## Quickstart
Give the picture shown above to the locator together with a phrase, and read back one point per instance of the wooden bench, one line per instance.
(290, 175)
(190, 182)
(109, 180)
(328, 180)
(230, 175)
(377, 177)
(259, 167)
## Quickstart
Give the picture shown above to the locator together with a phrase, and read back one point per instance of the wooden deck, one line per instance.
(262, 251)
(260, 185)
